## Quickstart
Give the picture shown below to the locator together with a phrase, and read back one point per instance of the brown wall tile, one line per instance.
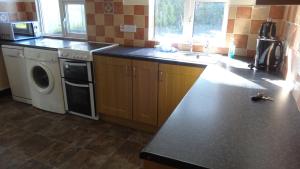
(241, 41)
(255, 26)
(230, 26)
(244, 12)
(277, 12)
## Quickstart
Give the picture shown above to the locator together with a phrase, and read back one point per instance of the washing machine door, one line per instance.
(42, 78)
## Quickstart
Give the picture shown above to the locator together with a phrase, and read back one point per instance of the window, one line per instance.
(63, 18)
(198, 20)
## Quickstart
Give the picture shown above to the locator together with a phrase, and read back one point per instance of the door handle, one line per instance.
(161, 74)
(134, 71)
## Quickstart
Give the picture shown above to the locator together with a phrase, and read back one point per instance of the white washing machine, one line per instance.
(44, 79)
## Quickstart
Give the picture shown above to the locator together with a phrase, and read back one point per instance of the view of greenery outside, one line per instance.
(169, 14)
(76, 19)
(169, 17)
(51, 14)
(208, 19)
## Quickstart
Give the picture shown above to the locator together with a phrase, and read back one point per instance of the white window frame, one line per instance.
(188, 22)
(63, 19)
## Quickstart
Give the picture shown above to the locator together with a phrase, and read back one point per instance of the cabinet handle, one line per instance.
(134, 71)
(161, 76)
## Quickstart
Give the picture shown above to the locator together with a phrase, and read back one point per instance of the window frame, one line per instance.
(63, 19)
(188, 22)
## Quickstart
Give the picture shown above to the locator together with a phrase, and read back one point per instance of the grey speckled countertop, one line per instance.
(217, 126)
(155, 55)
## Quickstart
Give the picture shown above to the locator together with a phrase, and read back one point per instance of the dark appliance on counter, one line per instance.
(22, 30)
(269, 50)
(268, 30)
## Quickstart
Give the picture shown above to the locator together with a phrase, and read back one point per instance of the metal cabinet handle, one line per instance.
(161, 74)
(134, 71)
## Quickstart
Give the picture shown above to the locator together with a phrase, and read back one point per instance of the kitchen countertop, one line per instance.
(155, 55)
(55, 44)
(217, 126)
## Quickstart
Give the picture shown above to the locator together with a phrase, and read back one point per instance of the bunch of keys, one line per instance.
(261, 97)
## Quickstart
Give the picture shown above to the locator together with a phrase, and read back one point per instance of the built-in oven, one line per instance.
(78, 86)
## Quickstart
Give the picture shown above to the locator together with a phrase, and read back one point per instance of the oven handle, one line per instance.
(75, 64)
(77, 85)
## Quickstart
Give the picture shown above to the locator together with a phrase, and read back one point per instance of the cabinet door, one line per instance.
(145, 90)
(113, 86)
(174, 83)
(3, 75)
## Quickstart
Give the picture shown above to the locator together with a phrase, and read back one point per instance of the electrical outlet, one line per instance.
(128, 28)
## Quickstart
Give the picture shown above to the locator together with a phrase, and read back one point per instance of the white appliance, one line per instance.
(16, 71)
(77, 77)
(44, 79)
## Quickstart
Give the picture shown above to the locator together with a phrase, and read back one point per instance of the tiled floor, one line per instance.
(34, 139)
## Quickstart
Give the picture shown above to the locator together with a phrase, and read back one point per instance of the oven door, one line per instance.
(79, 99)
(76, 70)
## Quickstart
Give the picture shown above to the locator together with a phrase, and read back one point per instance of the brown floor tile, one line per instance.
(33, 164)
(105, 145)
(33, 138)
(33, 145)
(119, 132)
(12, 138)
(57, 154)
(140, 137)
(85, 159)
(10, 159)
(38, 124)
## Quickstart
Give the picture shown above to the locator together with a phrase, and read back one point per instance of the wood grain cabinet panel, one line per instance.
(174, 83)
(145, 92)
(113, 86)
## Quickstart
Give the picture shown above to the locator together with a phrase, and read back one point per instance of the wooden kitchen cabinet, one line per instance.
(145, 92)
(113, 86)
(174, 83)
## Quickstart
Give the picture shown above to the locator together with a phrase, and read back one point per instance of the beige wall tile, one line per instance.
(139, 20)
(252, 42)
(100, 39)
(91, 30)
(232, 12)
(128, 9)
(99, 19)
(242, 26)
(128, 35)
(240, 52)
(260, 12)
(109, 31)
(139, 43)
(90, 7)
(118, 20)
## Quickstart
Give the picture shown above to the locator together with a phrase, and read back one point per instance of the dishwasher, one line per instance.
(16, 70)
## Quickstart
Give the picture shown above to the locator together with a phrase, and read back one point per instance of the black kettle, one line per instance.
(268, 30)
(269, 55)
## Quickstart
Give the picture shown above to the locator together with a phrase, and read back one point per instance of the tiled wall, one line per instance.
(19, 11)
(244, 23)
(104, 18)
